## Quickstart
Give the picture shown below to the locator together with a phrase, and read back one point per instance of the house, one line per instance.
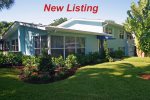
(73, 36)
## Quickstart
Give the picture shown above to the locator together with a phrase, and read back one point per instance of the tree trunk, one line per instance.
(140, 53)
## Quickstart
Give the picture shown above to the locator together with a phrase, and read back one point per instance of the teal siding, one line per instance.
(91, 41)
(27, 39)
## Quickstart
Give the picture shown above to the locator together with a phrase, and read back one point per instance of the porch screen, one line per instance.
(65, 45)
(14, 45)
(69, 45)
(80, 44)
(40, 43)
(57, 46)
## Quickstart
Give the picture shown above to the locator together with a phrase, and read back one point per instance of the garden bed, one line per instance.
(46, 77)
(145, 76)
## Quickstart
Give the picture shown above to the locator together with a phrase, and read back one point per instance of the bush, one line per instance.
(30, 61)
(58, 62)
(71, 61)
(14, 59)
(3, 59)
(118, 54)
(81, 59)
(45, 63)
(91, 58)
(11, 59)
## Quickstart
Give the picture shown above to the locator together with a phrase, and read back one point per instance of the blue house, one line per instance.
(73, 36)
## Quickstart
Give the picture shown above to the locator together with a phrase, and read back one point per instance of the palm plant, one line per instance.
(6, 4)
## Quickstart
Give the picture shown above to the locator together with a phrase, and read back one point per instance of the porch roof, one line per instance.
(85, 26)
(55, 28)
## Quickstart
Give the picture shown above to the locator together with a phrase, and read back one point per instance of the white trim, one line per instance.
(76, 19)
(49, 44)
(19, 44)
(64, 38)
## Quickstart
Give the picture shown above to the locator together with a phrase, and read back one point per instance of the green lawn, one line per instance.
(108, 81)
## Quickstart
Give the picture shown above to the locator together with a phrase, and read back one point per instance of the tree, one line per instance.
(6, 4)
(58, 21)
(4, 26)
(138, 24)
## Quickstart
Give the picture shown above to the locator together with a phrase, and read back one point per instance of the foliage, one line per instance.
(30, 61)
(11, 59)
(14, 58)
(107, 54)
(58, 62)
(117, 54)
(45, 62)
(91, 58)
(71, 61)
(81, 59)
(3, 59)
(89, 83)
(4, 26)
(58, 21)
(138, 24)
(6, 4)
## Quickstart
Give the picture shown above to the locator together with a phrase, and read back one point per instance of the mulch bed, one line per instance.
(145, 76)
(67, 74)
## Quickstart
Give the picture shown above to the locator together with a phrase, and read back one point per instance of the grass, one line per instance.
(109, 81)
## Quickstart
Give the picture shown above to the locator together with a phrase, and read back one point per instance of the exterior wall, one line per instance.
(26, 39)
(91, 41)
(117, 42)
(11, 37)
(27, 45)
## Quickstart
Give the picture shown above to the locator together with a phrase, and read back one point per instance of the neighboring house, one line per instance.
(123, 40)
(74, 36)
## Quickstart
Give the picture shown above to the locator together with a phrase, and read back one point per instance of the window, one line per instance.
(69, 45)
(63, 46)
(14, 45)
(108, 30)
(80, 44)
(129, 36)
(40, 42)
(121, 35)
(57, 46)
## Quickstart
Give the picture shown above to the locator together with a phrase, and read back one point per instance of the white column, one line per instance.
(49, 44)
(19, 41)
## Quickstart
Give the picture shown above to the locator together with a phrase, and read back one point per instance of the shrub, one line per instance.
(45, 78)
(71, 61)
(81, 59)
(30, 61)
(118, 54)
(14, 58)
(11, 59)
(107, 54)
(3, 59)
(58, 62)
(45, 63)
(93, 57)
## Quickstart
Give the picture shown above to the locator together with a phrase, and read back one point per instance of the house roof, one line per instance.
(16, 24)
(85, 26)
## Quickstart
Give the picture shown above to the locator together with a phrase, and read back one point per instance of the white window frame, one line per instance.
(40, 48)
(15, 45)
(64, 44)
(121, 34)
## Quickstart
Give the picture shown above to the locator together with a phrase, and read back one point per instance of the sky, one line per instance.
(32, 11)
